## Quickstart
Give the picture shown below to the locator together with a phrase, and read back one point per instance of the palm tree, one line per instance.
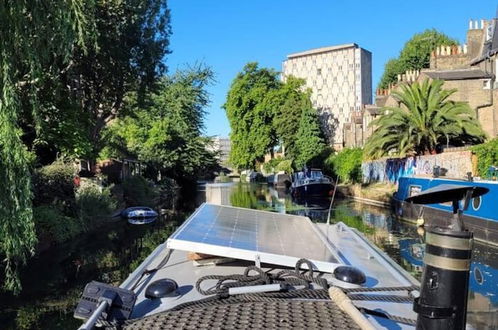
(424, 119)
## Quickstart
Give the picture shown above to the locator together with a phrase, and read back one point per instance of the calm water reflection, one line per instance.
(402, 241)
(53, 280)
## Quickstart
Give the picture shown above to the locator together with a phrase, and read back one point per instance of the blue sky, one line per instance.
(226, 34)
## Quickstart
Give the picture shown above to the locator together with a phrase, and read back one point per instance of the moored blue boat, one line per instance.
(481, 216)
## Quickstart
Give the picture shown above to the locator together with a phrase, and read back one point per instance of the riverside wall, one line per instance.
(454, 164)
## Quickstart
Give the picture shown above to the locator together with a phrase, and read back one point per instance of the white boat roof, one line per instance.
(352, 247)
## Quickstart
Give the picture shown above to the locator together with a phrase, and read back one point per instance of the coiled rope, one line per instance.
(286, 277)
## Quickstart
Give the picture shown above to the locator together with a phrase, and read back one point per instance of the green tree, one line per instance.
(487, 156)
(415, 55)
(347, 164)
(425, 119)
(132, 40)
(32, 34)
(287, 104)
(310, 144)
(251, 119)
(167, 132)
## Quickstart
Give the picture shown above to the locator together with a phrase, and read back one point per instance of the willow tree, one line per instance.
(425, 119)
(33, 36)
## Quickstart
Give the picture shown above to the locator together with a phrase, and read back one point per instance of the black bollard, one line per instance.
(445, 281)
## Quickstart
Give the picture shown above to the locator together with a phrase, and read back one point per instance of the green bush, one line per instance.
(52, 225)
(346, 164)
(487, 155)
(139, 192)
(53, 185)
(285, 165)
(94, 202)
(168, 193)
(270, 166)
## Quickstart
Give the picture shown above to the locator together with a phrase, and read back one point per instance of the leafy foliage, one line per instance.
(138, 191)
(425, 119)
(166, 133)
(53, 225)
(287, 104)
(53, 185)
(32, 35)
(415, 55)
(286, 166)
(487, 156)
(132, 40)
(94, 202)
(309, 140)
(346, 164)
(251, 121)
(271, 165)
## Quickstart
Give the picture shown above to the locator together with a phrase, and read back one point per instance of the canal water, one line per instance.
(53, 280)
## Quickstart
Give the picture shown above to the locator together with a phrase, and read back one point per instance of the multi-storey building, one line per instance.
(340, 78)
(222, 145)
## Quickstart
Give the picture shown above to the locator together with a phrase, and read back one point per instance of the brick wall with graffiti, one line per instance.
(452, 164)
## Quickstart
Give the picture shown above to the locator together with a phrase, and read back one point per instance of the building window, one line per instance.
(319, 72)
(340, 67)
(486, 84)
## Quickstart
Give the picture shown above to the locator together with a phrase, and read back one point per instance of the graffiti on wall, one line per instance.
(453, 165)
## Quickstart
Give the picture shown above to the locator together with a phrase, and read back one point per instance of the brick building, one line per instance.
(470, 69)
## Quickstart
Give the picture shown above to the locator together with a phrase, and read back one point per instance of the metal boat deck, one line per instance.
(346, 245)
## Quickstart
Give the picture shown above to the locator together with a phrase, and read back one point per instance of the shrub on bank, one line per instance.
(94, 202)
(138, 191)
(286, 166)
(168, 193)
(53, 226)
(53, 185)
(271, 165)
(487, 155)
(346, 164)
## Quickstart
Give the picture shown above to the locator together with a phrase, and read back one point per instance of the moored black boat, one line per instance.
(311, 183)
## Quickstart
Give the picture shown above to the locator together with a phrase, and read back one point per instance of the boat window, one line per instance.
(478, 276)
(476, 203)
(414, 190)
(316, 174)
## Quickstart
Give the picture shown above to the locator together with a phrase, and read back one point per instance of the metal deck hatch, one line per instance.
(247, 234)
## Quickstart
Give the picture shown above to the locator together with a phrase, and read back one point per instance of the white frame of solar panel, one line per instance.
(251, 255)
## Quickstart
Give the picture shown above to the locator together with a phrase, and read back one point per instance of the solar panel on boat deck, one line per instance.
(244, 233)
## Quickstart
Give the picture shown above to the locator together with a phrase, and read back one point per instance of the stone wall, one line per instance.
(453, 164)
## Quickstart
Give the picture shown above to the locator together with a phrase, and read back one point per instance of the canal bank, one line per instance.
(378, 194)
